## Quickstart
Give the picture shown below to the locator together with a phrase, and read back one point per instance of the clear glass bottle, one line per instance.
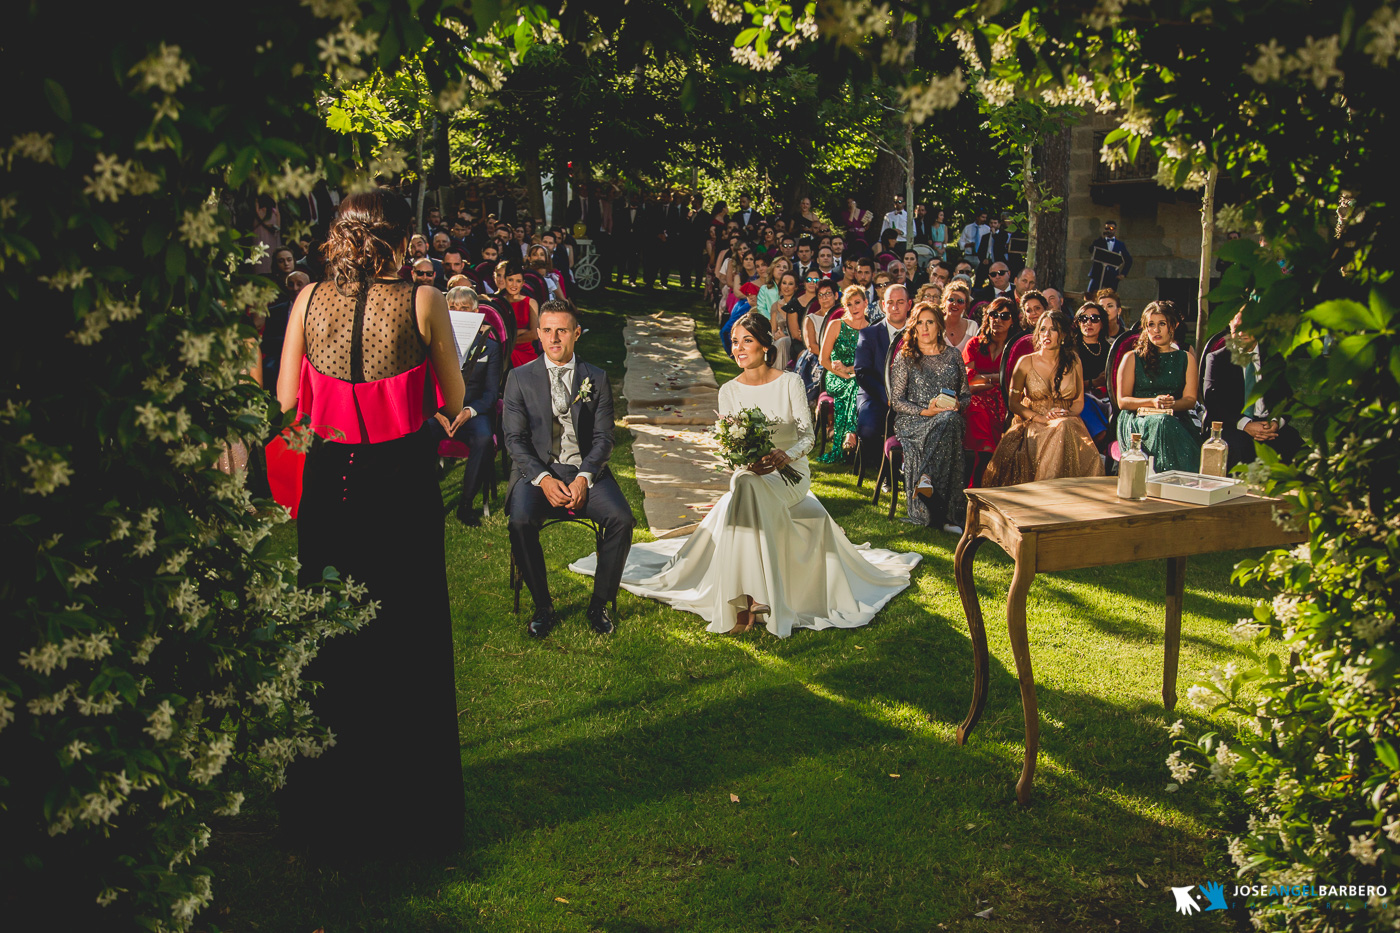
(1132, 472)
(1215, 453)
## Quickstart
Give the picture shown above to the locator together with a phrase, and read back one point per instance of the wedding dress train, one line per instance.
(769, 541)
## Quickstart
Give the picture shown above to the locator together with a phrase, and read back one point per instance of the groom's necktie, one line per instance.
(559, 401)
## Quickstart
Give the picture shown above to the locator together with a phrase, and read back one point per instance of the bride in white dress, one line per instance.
(768, 552)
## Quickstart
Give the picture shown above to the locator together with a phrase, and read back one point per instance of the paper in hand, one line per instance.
(466, 326)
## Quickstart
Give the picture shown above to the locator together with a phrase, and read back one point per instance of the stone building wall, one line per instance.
(1162, 228)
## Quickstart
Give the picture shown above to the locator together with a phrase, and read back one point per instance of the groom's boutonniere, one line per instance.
(585, 392)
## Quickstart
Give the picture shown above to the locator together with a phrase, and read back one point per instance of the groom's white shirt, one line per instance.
(564, 420)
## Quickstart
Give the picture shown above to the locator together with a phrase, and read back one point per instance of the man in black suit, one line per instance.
(585, 208)
(559, 430)
(697, 231)
(1105, 276)
(629, 217)
(1227, 387)
(481, 372)
(501, 203)
(994, 247)
(998, 284)
(746, 214)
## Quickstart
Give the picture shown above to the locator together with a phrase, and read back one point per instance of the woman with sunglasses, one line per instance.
(838, 358)
(1047, 439)
(958, 330)
(813, 314)
(1156, 390)
(1093, 355)
(982, 356)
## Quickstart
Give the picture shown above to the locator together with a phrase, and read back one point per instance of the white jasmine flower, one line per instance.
(36, 147)
(941, 93)
(65, 279)
(163, 69)
(1286, 608)
(232, 805)
(333, 9)
(175, 562)
(1177, 728)
(1222, 770)
(1392, 829)
(162, 722)
(1182, 771)
(1318, 58)
(1372, 627)
(1238, 853)
(200, 227)
(1384, 27)
(46, 475)
(7, 711)
(1364, 850)
(1201, 697)
(95, 323)
(998, 93)
(82, 575)
(1269, 65)
(76, 749)
(107, 896)
(195, 348)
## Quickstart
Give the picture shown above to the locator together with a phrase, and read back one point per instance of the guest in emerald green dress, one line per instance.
(1156, 390)
(838, 358)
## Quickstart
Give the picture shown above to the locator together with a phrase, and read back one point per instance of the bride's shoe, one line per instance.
(749, 618)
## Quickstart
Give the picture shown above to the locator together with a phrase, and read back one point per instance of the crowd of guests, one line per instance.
(948, 355)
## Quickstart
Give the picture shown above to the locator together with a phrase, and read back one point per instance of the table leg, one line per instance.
(972, 607)
(1176, 588)
(1021, 650)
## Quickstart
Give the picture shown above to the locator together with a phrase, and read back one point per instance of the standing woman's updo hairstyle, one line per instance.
(758, 327)
(365, 238)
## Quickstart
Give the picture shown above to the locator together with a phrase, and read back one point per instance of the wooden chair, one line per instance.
(1120, 348)
(891, 467)
(517, 580)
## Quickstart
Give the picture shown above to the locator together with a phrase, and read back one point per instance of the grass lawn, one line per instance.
(665, 779)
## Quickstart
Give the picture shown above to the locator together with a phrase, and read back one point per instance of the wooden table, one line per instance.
(1065, 524)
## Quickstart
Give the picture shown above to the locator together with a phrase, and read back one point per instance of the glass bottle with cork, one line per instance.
(1215, 453)
(1132, 472)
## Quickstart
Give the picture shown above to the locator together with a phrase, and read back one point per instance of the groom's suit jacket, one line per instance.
(529, 415)
(872, 401)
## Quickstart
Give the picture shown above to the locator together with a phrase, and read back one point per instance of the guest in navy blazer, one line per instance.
(872, 358)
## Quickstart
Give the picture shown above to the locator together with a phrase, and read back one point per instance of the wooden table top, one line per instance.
(1081, 522)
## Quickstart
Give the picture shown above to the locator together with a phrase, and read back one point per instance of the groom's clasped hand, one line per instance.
(566, 496)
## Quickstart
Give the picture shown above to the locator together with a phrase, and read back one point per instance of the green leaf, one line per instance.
(242, 166)
(58, 100)
(1240, 250)
(63, 151)
(174, 262)
(217, 156)
(485, 12)
(103, 231)
(1343, 314)
(154, 239)
(283, 149)
(1386, 753)
(743, 39)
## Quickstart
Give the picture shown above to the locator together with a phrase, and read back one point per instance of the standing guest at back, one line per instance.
(1047, 439)
(367, 359)
(1102, 275)
(1156, 391)
(928, 390)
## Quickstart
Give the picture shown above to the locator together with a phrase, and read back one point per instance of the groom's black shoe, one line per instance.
(600, 618)
(542, 622)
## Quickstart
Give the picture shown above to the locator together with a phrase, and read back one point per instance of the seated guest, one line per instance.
(1113, 324)
(1157, 390)
(274, 333)
(454, 262)
(541, 268)
(998, 283)
(522, 308)
(442, 242)
(481, 371)
(743, 304)
(1228, 386)
(838, 358)
(958, 330)
(1047, 439)
(1032, 306)
(983, 354)
(1093, 356)
(1054, 298)
(872, 365)
(928, 391)
(424, 274)
(460, 281)
(819, 311)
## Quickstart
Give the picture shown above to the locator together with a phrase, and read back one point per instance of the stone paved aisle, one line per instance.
(672, 397)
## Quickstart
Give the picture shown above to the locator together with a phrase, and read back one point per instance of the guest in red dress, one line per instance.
(527, 314)
(368, 360)
(987, 413)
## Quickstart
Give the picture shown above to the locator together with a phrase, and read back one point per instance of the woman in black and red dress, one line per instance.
(370, 362)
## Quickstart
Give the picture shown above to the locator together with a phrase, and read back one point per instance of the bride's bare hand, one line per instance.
(770, 462)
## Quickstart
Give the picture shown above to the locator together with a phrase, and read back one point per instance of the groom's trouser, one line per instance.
(528, 508)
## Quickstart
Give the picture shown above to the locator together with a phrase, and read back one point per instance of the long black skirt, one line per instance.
(393, 780)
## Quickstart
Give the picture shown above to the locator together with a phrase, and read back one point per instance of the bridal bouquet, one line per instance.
(746, 437)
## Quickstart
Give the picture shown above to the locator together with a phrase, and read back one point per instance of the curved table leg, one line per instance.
(967, 589)
(1020, 648)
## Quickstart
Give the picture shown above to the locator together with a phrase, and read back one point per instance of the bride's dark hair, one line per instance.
(365, 237)
(758, 327)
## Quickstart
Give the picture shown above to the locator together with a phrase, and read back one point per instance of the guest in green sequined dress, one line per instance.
(838, 357)
(1156, 391)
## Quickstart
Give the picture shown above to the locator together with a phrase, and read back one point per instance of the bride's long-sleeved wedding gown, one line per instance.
(768, 540)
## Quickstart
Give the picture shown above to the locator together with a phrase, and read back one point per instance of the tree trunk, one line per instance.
(422, 181)
(442, 165)
(889, 181)
(1207, 247)
(909, 185)
(534, 187)
(559, 197)
(1032, 192)
(1052, 228)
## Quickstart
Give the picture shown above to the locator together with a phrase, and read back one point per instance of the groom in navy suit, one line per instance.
(872, 359)
(558, 424)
